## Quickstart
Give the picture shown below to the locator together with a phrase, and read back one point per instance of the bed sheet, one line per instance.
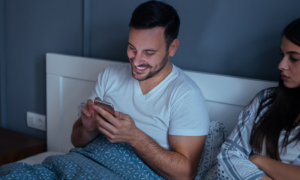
(39, 158)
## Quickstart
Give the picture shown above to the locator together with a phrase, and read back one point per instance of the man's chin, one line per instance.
(139, 77)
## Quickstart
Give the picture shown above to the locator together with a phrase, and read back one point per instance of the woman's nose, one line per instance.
(283, 65)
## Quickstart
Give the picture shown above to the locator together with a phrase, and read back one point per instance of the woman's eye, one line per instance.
(293, 59)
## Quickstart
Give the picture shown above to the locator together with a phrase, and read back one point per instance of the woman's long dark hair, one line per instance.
(283, 109)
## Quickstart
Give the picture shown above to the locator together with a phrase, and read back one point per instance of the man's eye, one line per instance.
(149, 54)
(131, 48)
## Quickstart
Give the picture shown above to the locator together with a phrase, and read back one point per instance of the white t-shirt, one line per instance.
(175, 106)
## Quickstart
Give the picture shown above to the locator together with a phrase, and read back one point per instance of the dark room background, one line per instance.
(228, 37)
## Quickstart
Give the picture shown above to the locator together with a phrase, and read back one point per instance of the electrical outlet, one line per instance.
(36, 121)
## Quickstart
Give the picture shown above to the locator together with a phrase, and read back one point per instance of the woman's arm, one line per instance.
(265, 178)
(234, 160)
(275, 169)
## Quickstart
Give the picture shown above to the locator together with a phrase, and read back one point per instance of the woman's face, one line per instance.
(290, 64)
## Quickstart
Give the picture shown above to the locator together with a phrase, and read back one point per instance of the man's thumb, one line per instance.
(117, 114)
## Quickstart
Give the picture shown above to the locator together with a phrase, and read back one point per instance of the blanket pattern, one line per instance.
(98, 160)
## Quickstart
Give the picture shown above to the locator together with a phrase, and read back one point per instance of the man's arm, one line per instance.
(80, 135)
(180, 162)
(275, 169)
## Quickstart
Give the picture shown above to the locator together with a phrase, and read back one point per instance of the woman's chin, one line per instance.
(291, 85)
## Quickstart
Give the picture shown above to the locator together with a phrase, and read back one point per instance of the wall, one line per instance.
(33, 28)
(237, 38)
(2, 65)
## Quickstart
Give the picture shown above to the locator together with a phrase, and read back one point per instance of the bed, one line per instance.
(70, 80)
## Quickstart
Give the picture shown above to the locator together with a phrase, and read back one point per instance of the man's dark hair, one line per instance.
(157, 14)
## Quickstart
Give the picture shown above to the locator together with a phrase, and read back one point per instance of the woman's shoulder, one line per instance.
(261, 98)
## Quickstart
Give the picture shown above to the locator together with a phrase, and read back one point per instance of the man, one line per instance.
(160, 111)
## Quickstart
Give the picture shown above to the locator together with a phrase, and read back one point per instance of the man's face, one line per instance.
(147, 52)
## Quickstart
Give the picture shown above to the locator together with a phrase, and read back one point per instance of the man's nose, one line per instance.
(137, 60)
(283, 65)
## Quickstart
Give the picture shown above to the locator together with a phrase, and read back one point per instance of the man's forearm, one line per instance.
(277, 170)
(80, 136)
(168, 164)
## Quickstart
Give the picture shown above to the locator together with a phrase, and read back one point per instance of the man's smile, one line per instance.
(140, 69)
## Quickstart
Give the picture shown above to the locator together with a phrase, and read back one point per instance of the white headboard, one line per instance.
(70, 81)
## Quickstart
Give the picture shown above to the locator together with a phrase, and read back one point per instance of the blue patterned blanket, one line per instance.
(98, 160)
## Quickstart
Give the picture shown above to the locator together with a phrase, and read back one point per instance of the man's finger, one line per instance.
(122, 115)
(93, 104)
(104, 124)
(97, 98)
(110, 118)
(89, 104)
(104, 131)
(117, 114)
(85, 112)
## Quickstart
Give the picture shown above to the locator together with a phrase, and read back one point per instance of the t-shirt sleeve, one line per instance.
(99, 89)
(189, 115)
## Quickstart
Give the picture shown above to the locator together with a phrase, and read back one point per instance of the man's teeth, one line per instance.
(141, 67)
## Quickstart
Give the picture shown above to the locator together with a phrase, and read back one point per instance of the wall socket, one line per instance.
(36, 121)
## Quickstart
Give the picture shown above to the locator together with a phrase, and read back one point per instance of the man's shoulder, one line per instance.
(115, 72)
(184, 83)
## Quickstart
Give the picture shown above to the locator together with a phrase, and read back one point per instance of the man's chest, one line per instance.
(149, 111)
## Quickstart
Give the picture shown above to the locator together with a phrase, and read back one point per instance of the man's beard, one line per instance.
(159, 67)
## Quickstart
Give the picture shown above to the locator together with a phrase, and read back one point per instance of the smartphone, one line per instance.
(106, 106)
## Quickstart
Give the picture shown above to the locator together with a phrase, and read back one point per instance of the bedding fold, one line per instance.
(98, 160)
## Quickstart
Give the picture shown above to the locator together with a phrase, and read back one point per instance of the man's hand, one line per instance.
(88, 117)
(118, 129)
(85, 128)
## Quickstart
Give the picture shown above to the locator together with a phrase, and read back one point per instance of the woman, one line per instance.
(266, 142)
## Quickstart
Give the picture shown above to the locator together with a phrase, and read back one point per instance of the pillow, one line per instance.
(214, 140)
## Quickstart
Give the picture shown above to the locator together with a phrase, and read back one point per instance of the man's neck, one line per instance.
(150, 83)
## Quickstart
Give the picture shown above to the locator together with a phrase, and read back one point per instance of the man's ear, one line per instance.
(173, 47)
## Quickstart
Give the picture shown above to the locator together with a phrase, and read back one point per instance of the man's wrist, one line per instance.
(91, 134)
(137, 136)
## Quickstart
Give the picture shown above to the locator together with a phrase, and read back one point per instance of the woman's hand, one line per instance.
(276, 169)
(266, 178)
(256, 159)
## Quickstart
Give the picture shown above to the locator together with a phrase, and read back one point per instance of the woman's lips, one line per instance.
(283, 77)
